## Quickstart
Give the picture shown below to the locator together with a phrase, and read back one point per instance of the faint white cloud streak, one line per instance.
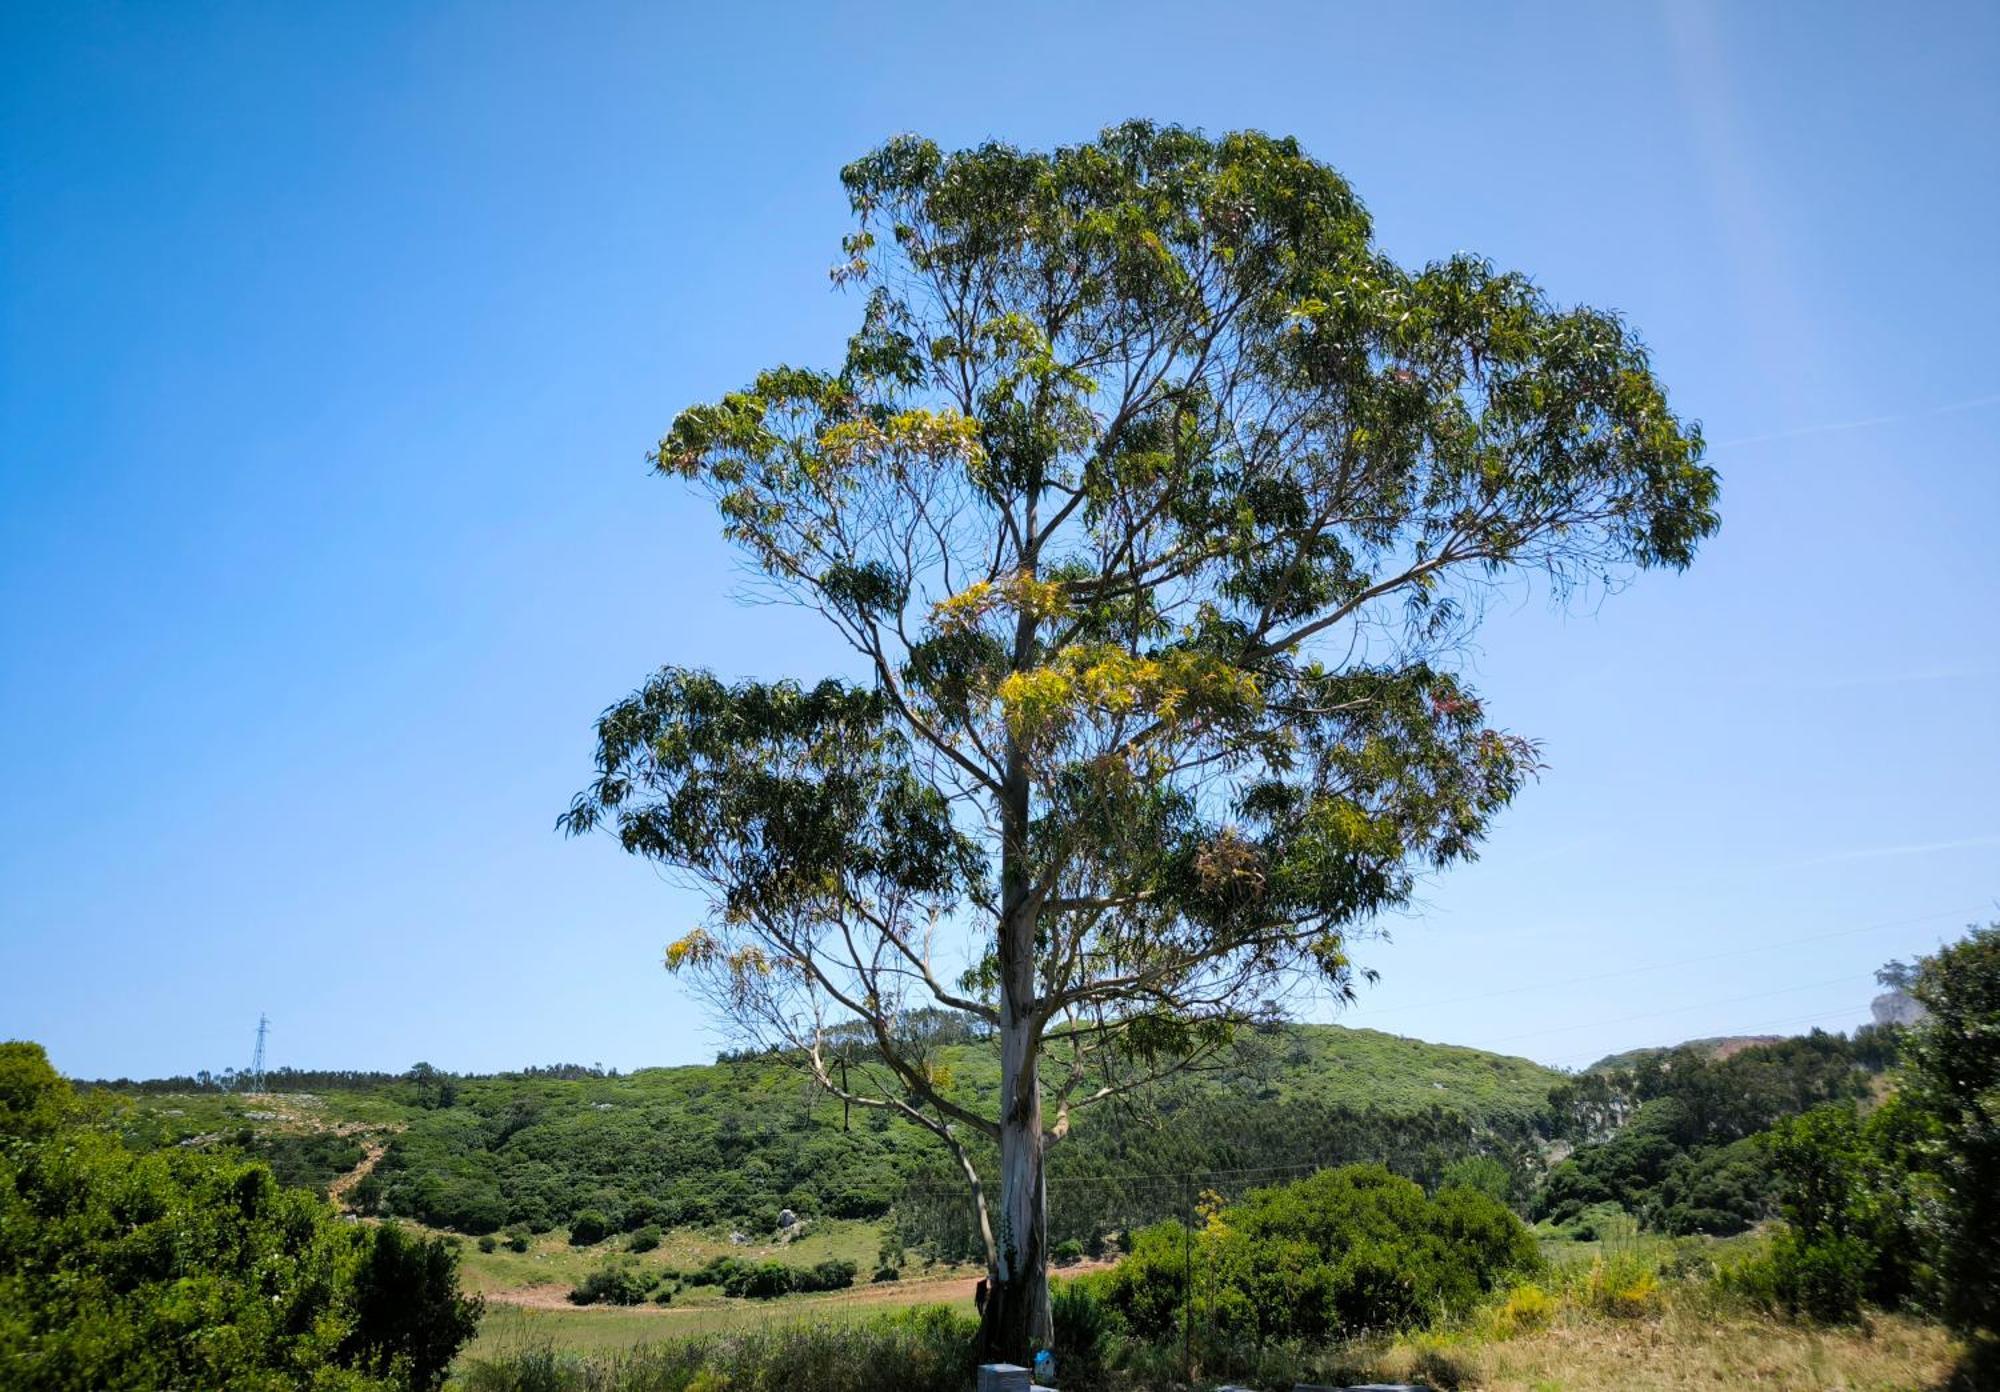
(1885, 852)
(1865, 423)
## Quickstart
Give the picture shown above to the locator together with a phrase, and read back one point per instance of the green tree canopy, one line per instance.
(1154, 499)
(1953, 1078)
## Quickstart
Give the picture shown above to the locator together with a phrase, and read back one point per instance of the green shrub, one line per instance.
(760, 1281)
(1068, 1252)
(588, 1228)
(488, 1242)
(517, 1241)
(769, 1279)
(1082, 1336)
(643, 1239)
(836, 1274)
(1482, 1173)
(1342, 1252)
(1822, 1278)
(886, 1273)
(610, 1285)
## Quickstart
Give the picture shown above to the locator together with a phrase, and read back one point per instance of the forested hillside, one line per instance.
(734, 1142)
(1667, 1136)
(1676, 1137)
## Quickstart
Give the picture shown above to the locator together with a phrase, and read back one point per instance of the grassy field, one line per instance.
(551, 1260)
(608, 1329)
(527, 1290)
(1685, 1346)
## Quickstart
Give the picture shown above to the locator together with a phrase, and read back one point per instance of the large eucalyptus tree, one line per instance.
(1154, 499)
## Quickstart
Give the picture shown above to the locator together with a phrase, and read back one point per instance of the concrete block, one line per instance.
(1004, 1377)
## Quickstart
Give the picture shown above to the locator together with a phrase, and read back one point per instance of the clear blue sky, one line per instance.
(332, 339)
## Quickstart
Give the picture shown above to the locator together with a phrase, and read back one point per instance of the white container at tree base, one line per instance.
(1004, 1377)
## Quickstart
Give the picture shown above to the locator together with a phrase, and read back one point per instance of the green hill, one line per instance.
(730, 1144)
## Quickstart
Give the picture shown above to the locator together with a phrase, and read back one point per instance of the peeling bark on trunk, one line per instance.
(1016, 1320)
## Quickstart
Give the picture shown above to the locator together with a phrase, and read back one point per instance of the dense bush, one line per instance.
(1083, 1332)
(1901, 1208)
(643, 1239)
(1854, 1195)
(665, 1147)
(767, 1280)
(1344, 1251)
(611, 1285)
(832, 1275)
(183, 1268)
(588, 1228)
(1721, 1190)
(1105, 1177)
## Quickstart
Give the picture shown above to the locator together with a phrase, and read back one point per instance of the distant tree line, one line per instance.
(323, 1079)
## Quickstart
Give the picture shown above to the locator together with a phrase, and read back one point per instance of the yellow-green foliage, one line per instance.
(1619, 1289)
(1527, 1308)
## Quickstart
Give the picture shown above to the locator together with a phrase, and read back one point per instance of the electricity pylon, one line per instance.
(257, 1059)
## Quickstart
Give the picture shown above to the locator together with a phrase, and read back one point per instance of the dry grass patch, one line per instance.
(1688, 1348)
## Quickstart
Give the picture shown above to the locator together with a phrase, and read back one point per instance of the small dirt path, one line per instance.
(338, 1188)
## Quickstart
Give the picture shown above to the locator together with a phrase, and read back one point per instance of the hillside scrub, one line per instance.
(1678, 1153)
(726, 1146)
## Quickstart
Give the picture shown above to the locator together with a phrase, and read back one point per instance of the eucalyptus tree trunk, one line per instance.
(1017, 1303)
(1016, 1318)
